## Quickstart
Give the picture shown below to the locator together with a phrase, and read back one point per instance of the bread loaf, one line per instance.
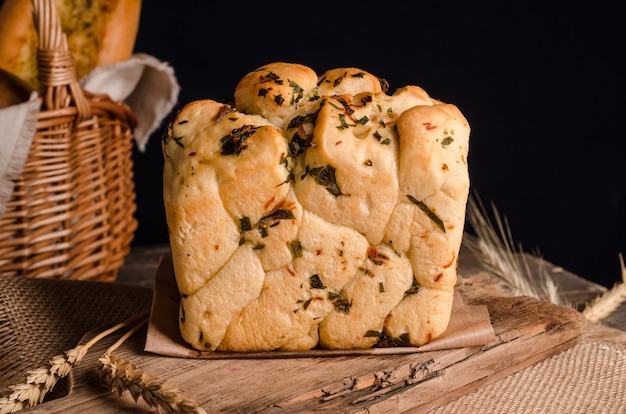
(99, 32)
(319, 211)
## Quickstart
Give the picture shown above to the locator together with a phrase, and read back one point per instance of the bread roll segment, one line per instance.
(274, 91)
(365, 168)
(231, 288)
(348, 201)
(377, 287)
(348, 81)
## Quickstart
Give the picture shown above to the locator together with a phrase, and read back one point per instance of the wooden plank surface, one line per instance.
(527, 332)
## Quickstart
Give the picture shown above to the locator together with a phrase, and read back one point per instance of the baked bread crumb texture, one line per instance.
(315, 212)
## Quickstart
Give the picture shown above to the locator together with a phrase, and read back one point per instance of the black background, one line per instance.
(540, 86)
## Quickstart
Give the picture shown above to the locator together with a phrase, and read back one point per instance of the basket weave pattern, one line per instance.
(71, 214)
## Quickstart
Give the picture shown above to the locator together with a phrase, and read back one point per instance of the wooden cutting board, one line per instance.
(527, 331)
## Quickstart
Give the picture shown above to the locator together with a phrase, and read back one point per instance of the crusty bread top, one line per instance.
(349, 81)
(274, 91)
(99, 32)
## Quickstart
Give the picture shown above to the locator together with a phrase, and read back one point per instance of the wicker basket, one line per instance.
(71, 214)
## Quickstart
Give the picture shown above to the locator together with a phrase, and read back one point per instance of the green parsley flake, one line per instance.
(431, 214)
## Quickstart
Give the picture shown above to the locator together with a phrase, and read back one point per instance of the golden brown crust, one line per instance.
(348, 81)
(120, 31)
(17, 38)
(99, 32)
(275, 90)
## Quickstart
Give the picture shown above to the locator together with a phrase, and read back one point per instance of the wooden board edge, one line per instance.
(431, 387)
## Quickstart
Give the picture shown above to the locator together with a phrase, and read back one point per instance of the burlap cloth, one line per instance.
(588, 378)
(40, 318)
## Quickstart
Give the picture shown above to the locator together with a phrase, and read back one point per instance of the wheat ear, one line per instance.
(494, 248)
(120, 375)
(42, 380)
(605, 304)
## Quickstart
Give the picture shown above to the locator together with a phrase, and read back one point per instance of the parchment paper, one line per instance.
(469, 326)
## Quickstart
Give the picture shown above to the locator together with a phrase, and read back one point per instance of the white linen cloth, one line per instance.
(18, 124)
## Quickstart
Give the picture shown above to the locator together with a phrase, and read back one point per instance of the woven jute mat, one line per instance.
(41, 318)
(588, 378)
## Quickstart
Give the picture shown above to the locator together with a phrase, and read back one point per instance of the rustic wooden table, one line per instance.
(527, 332)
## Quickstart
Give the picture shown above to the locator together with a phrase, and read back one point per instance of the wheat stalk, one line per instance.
(605, 304)
(120, 375)
(494, 247)
(42, 380)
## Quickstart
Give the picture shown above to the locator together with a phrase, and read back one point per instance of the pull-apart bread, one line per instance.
(317, 212)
